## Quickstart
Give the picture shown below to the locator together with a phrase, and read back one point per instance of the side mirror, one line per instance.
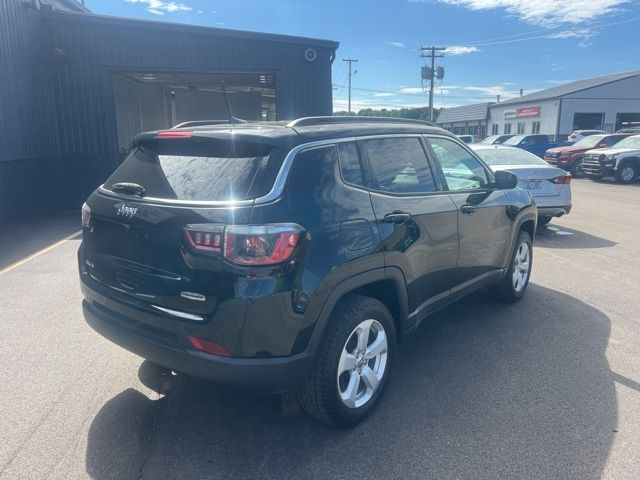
(505, 180)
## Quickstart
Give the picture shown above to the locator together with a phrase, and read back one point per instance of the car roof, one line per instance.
(303, 130)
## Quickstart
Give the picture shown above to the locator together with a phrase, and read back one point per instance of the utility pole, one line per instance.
(350, 60)
(432, 53)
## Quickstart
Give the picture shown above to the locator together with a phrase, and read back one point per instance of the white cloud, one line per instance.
(545, 12)
(160, 7)
(384, 94)
(460, 50)
(396, 44)
(357, 104)
(411, 90)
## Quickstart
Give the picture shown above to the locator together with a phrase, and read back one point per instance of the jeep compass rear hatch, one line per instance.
(154, 229)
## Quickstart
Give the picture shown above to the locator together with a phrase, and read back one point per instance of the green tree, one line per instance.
(416, 113)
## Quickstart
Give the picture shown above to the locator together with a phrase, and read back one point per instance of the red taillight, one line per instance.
(260, 244)
(205, 238)
(208, 346)
(255, 245)
(86, 216)
(174, 134)
(562, 180)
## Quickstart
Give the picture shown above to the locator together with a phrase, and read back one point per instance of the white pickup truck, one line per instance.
(622, 161)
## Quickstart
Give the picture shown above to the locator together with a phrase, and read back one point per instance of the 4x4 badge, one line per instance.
(193, 296)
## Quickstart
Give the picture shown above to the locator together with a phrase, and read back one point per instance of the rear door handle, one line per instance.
(397, 218)
(468, 209)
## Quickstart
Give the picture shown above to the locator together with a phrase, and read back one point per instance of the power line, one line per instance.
(411, 94)
(549, 34)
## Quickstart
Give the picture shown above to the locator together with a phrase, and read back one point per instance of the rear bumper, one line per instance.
(174, 351)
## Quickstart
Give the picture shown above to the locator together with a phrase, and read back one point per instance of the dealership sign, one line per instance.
(524, 112)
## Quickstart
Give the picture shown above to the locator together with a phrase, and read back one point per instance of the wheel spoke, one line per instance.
(378, 346)
(351, 392)
(347, 362)
(370, 379)
(363, 336)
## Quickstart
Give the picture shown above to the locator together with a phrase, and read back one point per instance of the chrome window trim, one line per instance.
(278, 184)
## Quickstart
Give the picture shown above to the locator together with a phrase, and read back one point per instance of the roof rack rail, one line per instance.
(312, 121)
(200, 123)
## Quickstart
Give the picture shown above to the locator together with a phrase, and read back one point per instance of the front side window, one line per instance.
(399, 165)
(461, 169)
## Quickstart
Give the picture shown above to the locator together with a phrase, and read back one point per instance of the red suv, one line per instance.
(570, 157)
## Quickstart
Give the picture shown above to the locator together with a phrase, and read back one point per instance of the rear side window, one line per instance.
(399, 165)
(197, 176)
(350, 163)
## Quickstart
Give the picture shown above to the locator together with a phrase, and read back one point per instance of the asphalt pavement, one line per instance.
(546, 388)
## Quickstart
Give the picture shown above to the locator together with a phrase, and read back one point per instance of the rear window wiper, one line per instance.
(129, 188)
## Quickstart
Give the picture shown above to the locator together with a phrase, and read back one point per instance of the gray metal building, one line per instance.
(75, 87)
(466, 120)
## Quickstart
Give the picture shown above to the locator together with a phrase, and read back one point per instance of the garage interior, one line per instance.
(155, 100)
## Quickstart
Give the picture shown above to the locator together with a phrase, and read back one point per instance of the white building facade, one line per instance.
(606, 103)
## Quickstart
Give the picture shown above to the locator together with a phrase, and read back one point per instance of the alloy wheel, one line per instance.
(627, 174)
(521, 266)
(363, 363)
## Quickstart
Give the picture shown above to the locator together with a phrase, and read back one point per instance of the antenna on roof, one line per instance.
(232, 119)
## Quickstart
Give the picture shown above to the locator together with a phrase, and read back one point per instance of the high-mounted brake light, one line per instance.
(256, 245)
(174, 134)
(562, 179)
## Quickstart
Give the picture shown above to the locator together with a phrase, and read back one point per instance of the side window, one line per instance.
(461, 169)
(350, 163)
(399, 165)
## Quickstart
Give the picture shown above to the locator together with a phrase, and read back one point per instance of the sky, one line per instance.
(494, 47)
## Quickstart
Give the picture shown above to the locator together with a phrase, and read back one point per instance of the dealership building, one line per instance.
(77, 86)
(608, 103)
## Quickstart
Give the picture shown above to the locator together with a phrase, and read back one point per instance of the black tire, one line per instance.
(576, 169)
(506, 291)
(623, 177)
(320, 395)
(542, 221)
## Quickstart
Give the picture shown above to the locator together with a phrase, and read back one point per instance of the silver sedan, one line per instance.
(549, 186)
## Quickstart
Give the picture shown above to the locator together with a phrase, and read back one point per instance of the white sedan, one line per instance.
(549, 186)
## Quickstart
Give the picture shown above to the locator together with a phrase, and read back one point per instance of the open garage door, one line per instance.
(155, 100)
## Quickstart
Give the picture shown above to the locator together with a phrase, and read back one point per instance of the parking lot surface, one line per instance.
(546, 388)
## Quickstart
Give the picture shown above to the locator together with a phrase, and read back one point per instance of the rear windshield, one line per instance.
(509, 156)
(198, 176)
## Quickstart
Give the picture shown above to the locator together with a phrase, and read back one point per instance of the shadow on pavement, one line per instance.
(558, 236)
(483, 390)
(21, 240)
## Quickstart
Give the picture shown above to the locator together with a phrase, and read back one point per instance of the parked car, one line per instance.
(577, 135)
(622, 161)
(549, 186)
(467, 138)
(296, 256)
(496, 139)
(536, 144)
(570, 157)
